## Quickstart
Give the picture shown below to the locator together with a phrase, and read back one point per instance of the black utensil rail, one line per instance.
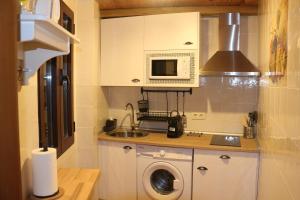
(190, 90)
(159, 116)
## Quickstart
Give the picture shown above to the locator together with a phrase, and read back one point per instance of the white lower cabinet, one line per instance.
(224, 175)
(217, 175)
(117, 162)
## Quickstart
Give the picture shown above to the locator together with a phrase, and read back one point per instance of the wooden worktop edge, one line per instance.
(182, 144)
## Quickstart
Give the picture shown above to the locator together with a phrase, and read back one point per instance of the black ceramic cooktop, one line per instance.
(225, 140)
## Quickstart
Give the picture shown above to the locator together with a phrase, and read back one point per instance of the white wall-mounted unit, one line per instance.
(122, 51)
(42, 39)
(172, 31)
(126, 43)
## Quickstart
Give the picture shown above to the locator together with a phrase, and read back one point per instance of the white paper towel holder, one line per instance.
(59, 194)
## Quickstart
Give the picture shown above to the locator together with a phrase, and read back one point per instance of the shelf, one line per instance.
(42, 39)
(153, 116)
(190, 91)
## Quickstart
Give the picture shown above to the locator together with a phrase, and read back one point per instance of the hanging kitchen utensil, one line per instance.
(143, 104)
(177, 103)
(167, 101)
(184, 119)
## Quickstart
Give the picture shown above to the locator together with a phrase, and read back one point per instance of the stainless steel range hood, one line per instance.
(229, 60)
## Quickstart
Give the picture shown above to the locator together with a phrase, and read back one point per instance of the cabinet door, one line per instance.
(117, 162)
(225, 175)
(172, 31)
(122, 48)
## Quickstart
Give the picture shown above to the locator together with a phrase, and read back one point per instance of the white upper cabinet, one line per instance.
(125, 41)
(172, 31)
(122, 41)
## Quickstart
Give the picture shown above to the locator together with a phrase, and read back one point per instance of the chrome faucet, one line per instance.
(132, 124)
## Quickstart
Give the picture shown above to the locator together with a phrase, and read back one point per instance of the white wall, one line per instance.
(224, 100)
(279, 110)
(90, 106)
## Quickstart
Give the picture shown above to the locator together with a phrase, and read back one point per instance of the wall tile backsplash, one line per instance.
(279, 111)
(224, 100)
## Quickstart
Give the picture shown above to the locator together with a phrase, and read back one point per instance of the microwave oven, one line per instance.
(172, 68)
(169, 67)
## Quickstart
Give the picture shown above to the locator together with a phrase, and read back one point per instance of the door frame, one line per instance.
(10, 169)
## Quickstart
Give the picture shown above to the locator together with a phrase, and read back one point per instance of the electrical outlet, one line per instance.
(198, 116)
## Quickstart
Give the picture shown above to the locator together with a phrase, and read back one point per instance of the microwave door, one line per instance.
(164, 68)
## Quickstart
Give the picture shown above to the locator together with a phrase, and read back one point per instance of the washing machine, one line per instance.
(164, 173)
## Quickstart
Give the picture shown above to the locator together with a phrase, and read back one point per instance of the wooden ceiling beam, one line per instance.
(204, 10)
(131, 4)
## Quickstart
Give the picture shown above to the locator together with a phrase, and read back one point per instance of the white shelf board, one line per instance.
(42, 39)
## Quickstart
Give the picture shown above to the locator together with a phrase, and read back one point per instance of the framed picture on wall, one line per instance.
(278, 43)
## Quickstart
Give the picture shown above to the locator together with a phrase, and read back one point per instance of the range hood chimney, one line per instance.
(229, 60)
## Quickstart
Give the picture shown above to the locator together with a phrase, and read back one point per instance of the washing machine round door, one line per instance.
(163, 181)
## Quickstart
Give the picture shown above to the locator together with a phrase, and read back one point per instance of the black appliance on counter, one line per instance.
(110, 125)
(175, 126)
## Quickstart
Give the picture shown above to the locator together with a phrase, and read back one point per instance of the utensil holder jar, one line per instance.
(250, 132)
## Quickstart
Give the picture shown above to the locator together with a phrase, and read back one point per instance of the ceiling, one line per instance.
(130, 4)
(123, 8)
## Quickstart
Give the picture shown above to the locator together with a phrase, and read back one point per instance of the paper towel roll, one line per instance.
(44, 172)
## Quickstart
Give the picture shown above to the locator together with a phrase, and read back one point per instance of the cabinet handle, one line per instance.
(63, 78)
(225, 157)
(202, 168)
(188, 43)
(135, 80)
(127, 147)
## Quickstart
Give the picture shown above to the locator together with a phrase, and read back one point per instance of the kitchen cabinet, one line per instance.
(225, 175)
(172, 31)
(117, 162)
(126, 42)
(122, 48)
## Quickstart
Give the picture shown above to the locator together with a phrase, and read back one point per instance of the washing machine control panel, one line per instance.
(164, 152)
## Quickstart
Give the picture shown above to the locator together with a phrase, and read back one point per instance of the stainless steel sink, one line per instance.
(127, 133)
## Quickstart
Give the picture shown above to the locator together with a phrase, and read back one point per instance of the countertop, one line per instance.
(77, 184)
(203, 142)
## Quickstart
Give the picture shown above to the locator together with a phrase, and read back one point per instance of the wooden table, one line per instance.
(77, 184)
